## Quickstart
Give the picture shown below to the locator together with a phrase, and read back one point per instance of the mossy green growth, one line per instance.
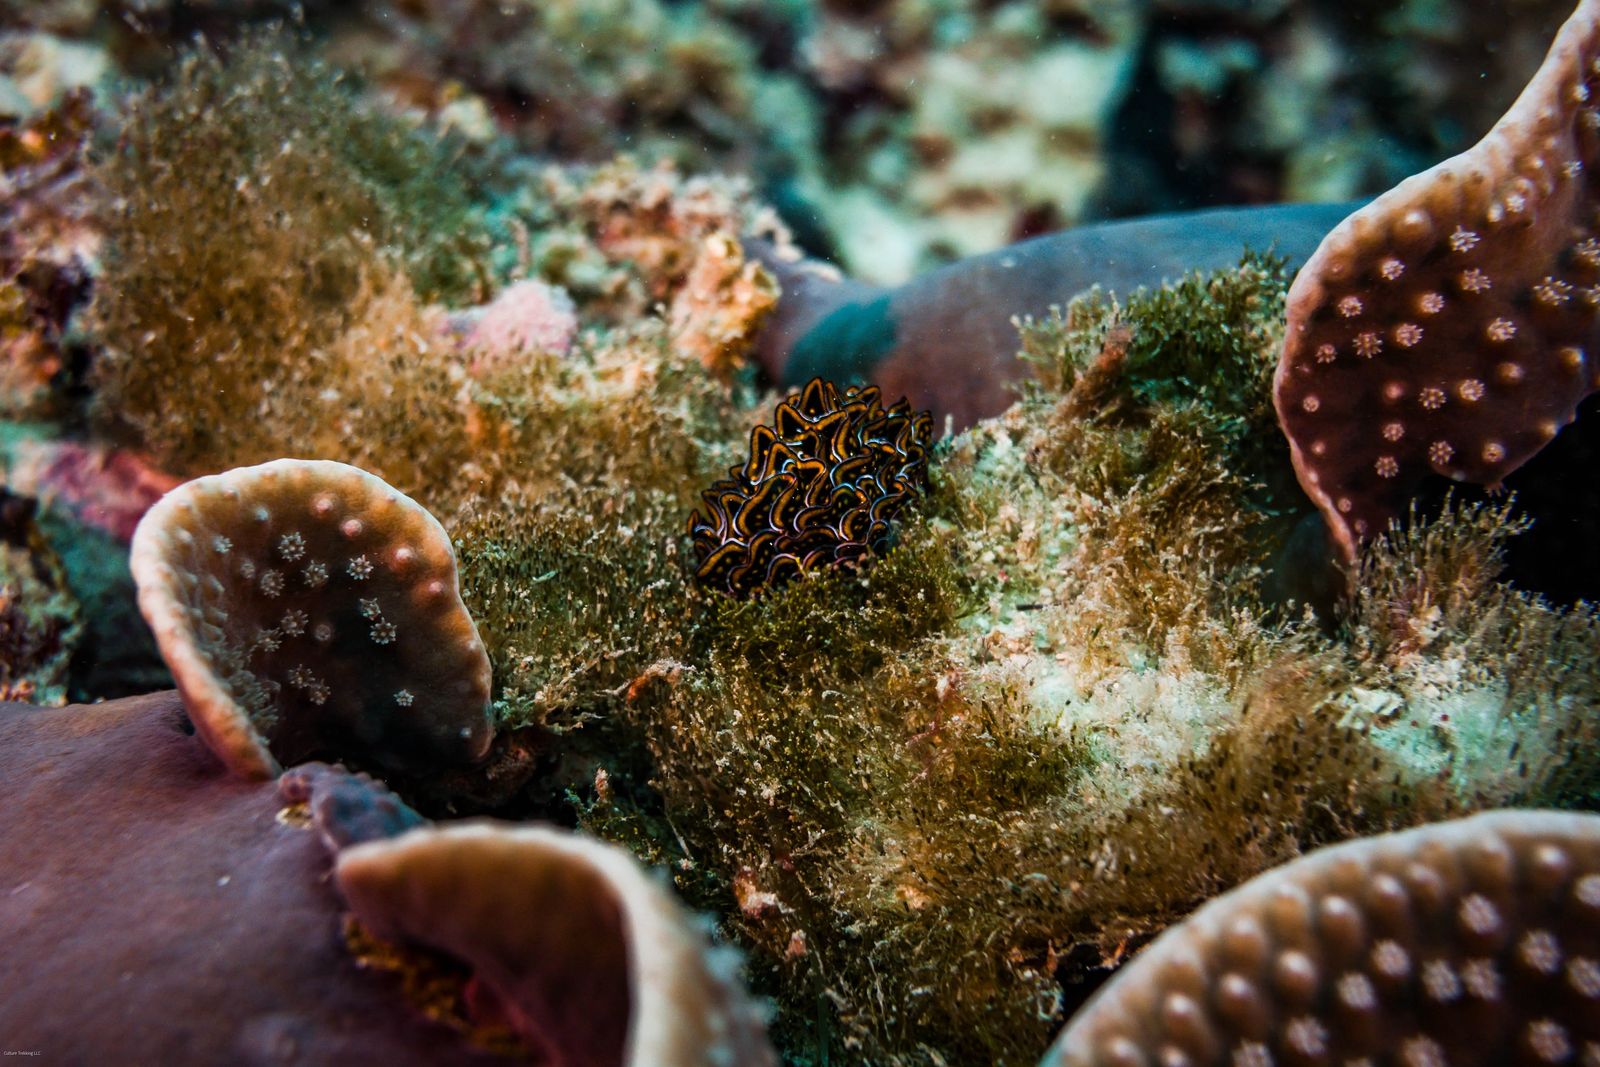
(256, 207)
(574, 556)
(575, 602)
(1208, 342)
(811, 712)
(1475, 681)
(840, 623)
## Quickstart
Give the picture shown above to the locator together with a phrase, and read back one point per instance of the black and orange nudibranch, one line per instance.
(822, 488)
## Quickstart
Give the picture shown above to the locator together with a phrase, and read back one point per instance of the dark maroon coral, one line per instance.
(156, 909)
(1450, 326)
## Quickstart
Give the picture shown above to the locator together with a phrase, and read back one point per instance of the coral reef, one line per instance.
(590, 959)
(944, 795)
(1079, 691)
(822, 488)
(303, 605)
(580, 81)
(321, 339)
(1470, 942)
(662, 223)
(902, 135)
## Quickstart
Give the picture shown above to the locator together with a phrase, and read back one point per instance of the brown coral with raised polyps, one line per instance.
(1449, 326)
(1473, 942)
(307, 607)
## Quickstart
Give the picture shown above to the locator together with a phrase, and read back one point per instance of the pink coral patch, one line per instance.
(526, 317)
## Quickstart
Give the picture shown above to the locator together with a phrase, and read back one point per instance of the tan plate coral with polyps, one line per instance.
(305, 608)
(1470, 943)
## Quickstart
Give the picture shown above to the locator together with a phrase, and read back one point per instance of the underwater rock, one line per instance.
(1448, 326)
(156, 908)
(1473, 942)
(591, 959)
(303, 604)
(946, 340)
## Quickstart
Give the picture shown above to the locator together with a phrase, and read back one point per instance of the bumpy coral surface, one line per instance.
(304, 604)
(822, 488)
(1469, 942)
(1449, 327)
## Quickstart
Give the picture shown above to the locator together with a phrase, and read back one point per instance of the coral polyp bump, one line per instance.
(822, 488)
(1443, 328)
(303, 604)
(1468, 942)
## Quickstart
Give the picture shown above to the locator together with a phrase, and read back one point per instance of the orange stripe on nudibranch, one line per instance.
(821, 488)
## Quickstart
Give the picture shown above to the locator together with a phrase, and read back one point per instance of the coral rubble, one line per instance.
(1087, 682)
(1061, 712)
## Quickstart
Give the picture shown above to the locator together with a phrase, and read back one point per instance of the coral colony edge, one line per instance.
(424, 639)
